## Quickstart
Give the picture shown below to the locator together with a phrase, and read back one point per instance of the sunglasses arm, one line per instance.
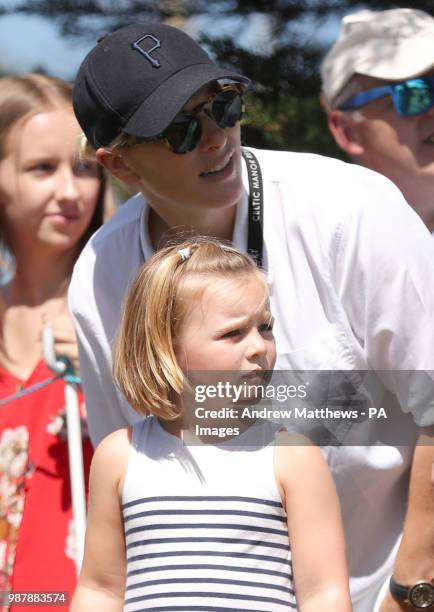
(366, 96)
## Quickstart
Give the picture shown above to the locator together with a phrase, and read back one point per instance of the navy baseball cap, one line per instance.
(137, 79)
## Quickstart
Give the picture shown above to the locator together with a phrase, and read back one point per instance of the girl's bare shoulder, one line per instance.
(295, 455)
(290, 440)
(111, 456)
(116, 443)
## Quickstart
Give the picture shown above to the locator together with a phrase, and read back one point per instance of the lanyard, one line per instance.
(255, 241)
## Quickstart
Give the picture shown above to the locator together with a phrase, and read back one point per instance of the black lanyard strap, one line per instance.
(255, 240)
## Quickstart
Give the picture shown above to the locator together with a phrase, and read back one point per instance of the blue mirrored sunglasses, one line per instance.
(410, 98)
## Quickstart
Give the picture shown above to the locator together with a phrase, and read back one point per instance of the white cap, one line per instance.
(390, 45)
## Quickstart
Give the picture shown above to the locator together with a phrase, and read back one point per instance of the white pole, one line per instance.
(75, 445)
(76, 470)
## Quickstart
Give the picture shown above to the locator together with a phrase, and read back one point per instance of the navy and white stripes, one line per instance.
(207, 553)
(203, 549)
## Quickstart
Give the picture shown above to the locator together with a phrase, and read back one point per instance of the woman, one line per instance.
(50, 203)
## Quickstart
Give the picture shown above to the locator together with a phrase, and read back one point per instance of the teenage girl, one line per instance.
(247, 524)
(50, 204)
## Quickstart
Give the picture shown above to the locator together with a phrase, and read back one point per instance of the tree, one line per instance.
(282, 60)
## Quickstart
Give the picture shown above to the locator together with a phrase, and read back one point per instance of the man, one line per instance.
(165, 120)
(378, 92)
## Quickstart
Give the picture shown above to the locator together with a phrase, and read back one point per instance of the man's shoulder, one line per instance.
(327, 186)
(290, 166)
(112, 253)
(123, 226)
(126, 217)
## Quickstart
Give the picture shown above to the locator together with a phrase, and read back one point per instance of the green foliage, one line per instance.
(290, 123)
(283, 106)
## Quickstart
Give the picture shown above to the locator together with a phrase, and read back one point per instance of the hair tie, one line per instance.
(185, 253)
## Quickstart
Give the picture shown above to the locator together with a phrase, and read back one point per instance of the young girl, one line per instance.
(50, 203)
(250, 523)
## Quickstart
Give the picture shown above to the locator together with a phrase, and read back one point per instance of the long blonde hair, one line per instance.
(145, 366)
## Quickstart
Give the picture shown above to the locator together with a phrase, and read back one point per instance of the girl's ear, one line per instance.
(345, 132)
(115, 163)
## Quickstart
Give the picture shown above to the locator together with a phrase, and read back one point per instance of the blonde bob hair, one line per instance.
(145, 366)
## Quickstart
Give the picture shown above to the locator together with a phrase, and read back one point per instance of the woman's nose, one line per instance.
(213, 136)
(67, 186)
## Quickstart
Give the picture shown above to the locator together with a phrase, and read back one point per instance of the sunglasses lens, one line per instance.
(414, 96)
(227, 108)
(183, 134)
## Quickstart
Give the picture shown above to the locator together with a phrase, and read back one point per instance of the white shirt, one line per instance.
(350, 265)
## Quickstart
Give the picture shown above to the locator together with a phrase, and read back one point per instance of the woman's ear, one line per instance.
(117, 164)
(345, 131)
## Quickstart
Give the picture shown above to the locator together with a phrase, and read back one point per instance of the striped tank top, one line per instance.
(205, 529)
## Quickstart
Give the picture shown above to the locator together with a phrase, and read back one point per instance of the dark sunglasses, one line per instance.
(225, 108)
(410, 98)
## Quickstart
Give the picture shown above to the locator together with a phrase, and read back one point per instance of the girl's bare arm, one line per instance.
(102, 579)
(314, 525)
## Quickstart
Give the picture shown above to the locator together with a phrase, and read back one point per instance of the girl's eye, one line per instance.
(266, 327)
(232, 334)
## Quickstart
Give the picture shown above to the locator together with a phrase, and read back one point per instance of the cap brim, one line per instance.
(161, 107)
(396, 73)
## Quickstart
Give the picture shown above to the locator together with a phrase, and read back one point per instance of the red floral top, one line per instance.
(37, 545)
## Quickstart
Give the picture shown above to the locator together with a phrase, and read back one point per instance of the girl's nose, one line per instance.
(257, 346)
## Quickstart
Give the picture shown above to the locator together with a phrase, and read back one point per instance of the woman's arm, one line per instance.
(314, 527)
(102, 579)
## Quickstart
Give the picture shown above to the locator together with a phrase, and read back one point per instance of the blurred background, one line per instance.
(277, 43)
